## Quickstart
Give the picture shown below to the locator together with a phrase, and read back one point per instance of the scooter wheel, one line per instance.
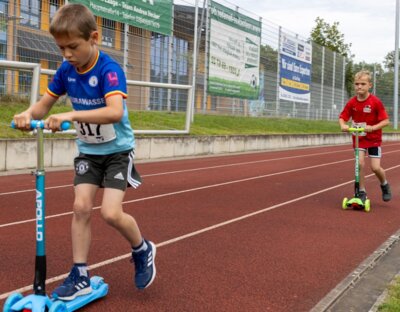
(367, 205)
(344, 203)
(96, 282)
(11, 300)
(58, 306)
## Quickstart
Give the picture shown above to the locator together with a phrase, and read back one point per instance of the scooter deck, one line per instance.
(81, 301)
(99, 290)
(38, 303)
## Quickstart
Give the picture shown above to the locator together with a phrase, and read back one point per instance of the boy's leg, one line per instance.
(143, 251)
(113, 214)
(375, 157)
(80, 228)
(378, 170)
(121, 171)
(78, 283)
(361, 159)
(88, 177)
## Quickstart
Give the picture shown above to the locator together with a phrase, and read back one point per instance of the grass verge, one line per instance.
(202, 124)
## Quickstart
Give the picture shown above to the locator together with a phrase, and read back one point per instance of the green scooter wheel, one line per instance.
(367, 205)
(344, 203)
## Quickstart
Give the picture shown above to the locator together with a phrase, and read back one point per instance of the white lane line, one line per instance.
(187, 190)
(207, 168)
(193, 169)
(192, 234)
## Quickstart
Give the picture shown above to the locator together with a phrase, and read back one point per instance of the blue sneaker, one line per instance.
(73, 286)
(145, 266)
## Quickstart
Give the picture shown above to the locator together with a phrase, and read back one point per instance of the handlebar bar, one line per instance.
(356, 129)
(65, 125)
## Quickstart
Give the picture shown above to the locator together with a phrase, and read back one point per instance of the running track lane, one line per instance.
(253, 232)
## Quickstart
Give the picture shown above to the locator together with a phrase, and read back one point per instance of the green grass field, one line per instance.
(202, 124)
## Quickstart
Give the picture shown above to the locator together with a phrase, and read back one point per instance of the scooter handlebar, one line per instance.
(356, 129)
(65, 125)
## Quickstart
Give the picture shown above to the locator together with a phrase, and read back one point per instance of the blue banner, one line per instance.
(295, 70)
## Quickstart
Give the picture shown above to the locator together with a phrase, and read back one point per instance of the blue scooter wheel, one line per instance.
(58, 306)
(96, 282)
(11, 300)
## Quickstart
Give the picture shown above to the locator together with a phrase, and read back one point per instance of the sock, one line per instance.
(362, 190)
(384, 183)
(82, 268)
(142, 247)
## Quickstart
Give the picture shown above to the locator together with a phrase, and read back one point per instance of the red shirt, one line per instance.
(368, 112)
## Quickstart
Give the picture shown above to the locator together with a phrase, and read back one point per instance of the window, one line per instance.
(54, 5)
(3, 51)
(108, 33)
(30, 13)
(3, 22)
(168, 69)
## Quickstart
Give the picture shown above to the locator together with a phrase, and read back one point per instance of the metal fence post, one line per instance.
(322, 82)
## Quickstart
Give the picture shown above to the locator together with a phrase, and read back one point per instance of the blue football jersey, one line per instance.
(88, 90)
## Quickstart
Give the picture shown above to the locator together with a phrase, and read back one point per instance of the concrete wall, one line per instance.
(21, 154)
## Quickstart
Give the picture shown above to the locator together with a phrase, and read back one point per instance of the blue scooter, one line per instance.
(39, 301)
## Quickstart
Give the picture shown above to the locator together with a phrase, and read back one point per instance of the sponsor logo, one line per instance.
(119, 176)
(367, 109)
(112, 79)
(93, 82)
(81, 167)
(70, 79)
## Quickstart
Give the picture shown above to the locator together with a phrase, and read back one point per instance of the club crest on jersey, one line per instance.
(112, 79)
(81, 167)
(93, 81)
(367, 109)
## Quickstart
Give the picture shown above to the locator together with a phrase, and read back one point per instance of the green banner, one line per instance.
(154, 15)
(234, 53)
(234, 19)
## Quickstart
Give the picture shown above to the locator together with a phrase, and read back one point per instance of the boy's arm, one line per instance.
(343, 125)
(112, 113)
(36, 111)
(377, 126)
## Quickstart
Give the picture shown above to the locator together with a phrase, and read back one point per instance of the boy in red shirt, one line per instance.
(367, 111)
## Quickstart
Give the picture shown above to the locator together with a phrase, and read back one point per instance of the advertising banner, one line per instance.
(295, 69)
(234, 53)
(154, 15)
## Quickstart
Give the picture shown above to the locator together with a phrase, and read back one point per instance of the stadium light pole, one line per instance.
(396, 69)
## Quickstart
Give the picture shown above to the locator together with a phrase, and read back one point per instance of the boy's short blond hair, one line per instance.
(73, 20)
(363, 73)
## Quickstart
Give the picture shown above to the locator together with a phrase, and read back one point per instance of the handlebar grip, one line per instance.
(356, 129)
(65, 125)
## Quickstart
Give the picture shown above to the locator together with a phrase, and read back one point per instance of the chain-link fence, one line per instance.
(146, 55)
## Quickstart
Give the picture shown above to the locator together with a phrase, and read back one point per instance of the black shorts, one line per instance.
(373, 152)
(108, 171)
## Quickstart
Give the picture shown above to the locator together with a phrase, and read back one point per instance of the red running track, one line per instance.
(249, 232)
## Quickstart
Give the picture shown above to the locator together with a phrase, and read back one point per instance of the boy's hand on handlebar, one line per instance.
(369, 128)
(345, 128)
(53, 122)
(22, 121)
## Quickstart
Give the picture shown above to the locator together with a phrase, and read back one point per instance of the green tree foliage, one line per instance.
(329, 36)
(389, 61)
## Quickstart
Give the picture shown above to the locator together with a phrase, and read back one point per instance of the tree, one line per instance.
(389, 61)
(329, 36)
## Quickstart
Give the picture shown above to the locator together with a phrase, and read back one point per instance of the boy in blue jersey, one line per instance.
(96, 86)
